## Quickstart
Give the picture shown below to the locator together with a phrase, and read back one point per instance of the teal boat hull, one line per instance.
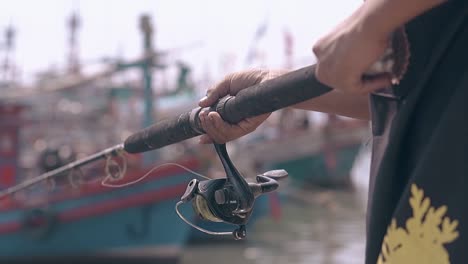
(316, 170)
(311, 158)
(98, 219)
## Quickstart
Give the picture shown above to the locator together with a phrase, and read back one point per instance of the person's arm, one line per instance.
(387, 15)
(342, 57)
(347, 52)
(370, 25)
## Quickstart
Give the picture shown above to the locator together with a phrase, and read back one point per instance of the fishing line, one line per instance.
(111, 178)
(195, 226)
(121, 170)
(75, 178)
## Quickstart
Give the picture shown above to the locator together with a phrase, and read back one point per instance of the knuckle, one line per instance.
(317, 49)
(209, 91)
(213, 93)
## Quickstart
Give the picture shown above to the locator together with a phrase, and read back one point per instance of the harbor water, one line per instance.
(325, 227)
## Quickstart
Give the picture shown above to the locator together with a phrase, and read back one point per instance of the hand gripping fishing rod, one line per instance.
(231, 199)
(289, 89)
(286, 90)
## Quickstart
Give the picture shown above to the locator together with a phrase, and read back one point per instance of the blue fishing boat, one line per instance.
(84, 218)
(93, 219)
(81, 217)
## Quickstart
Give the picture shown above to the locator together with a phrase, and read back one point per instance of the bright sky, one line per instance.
(214, 29)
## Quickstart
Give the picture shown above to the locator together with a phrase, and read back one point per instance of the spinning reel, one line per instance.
(228, 200)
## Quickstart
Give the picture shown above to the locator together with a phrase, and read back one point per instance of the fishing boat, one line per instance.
(94, 219)
(71, 116)
(85, 218)
(312, 156)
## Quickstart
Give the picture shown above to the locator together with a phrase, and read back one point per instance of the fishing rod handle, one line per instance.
(286, 90)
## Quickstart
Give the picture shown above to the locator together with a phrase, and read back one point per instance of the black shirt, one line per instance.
(418, 206)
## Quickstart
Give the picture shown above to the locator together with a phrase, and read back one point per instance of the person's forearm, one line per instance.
(378, 18)
(384, 16)
(375, 18)
(336, 102)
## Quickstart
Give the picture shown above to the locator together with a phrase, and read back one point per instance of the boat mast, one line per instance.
(8, 46)
(73, 25)
(147, 29)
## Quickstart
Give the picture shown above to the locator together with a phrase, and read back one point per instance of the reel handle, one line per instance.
(275, 174)
(267, 182)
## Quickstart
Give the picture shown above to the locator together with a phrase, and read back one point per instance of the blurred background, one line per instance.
(78, 76)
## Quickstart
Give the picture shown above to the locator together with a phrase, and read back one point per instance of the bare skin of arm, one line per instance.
(372, 23)
(343, 56)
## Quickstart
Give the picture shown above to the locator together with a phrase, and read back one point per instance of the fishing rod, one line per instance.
(230, 199)
(269, 96)
(286, 90)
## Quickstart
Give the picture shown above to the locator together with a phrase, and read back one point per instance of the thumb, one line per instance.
(219, 90)
(376, 82)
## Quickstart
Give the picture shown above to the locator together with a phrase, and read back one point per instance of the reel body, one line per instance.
(231, 199)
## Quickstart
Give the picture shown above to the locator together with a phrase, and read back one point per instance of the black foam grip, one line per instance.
(289, 89)
(286, 90)
(163, 133)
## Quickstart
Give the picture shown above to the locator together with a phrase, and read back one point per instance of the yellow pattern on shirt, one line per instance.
(423, 239)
